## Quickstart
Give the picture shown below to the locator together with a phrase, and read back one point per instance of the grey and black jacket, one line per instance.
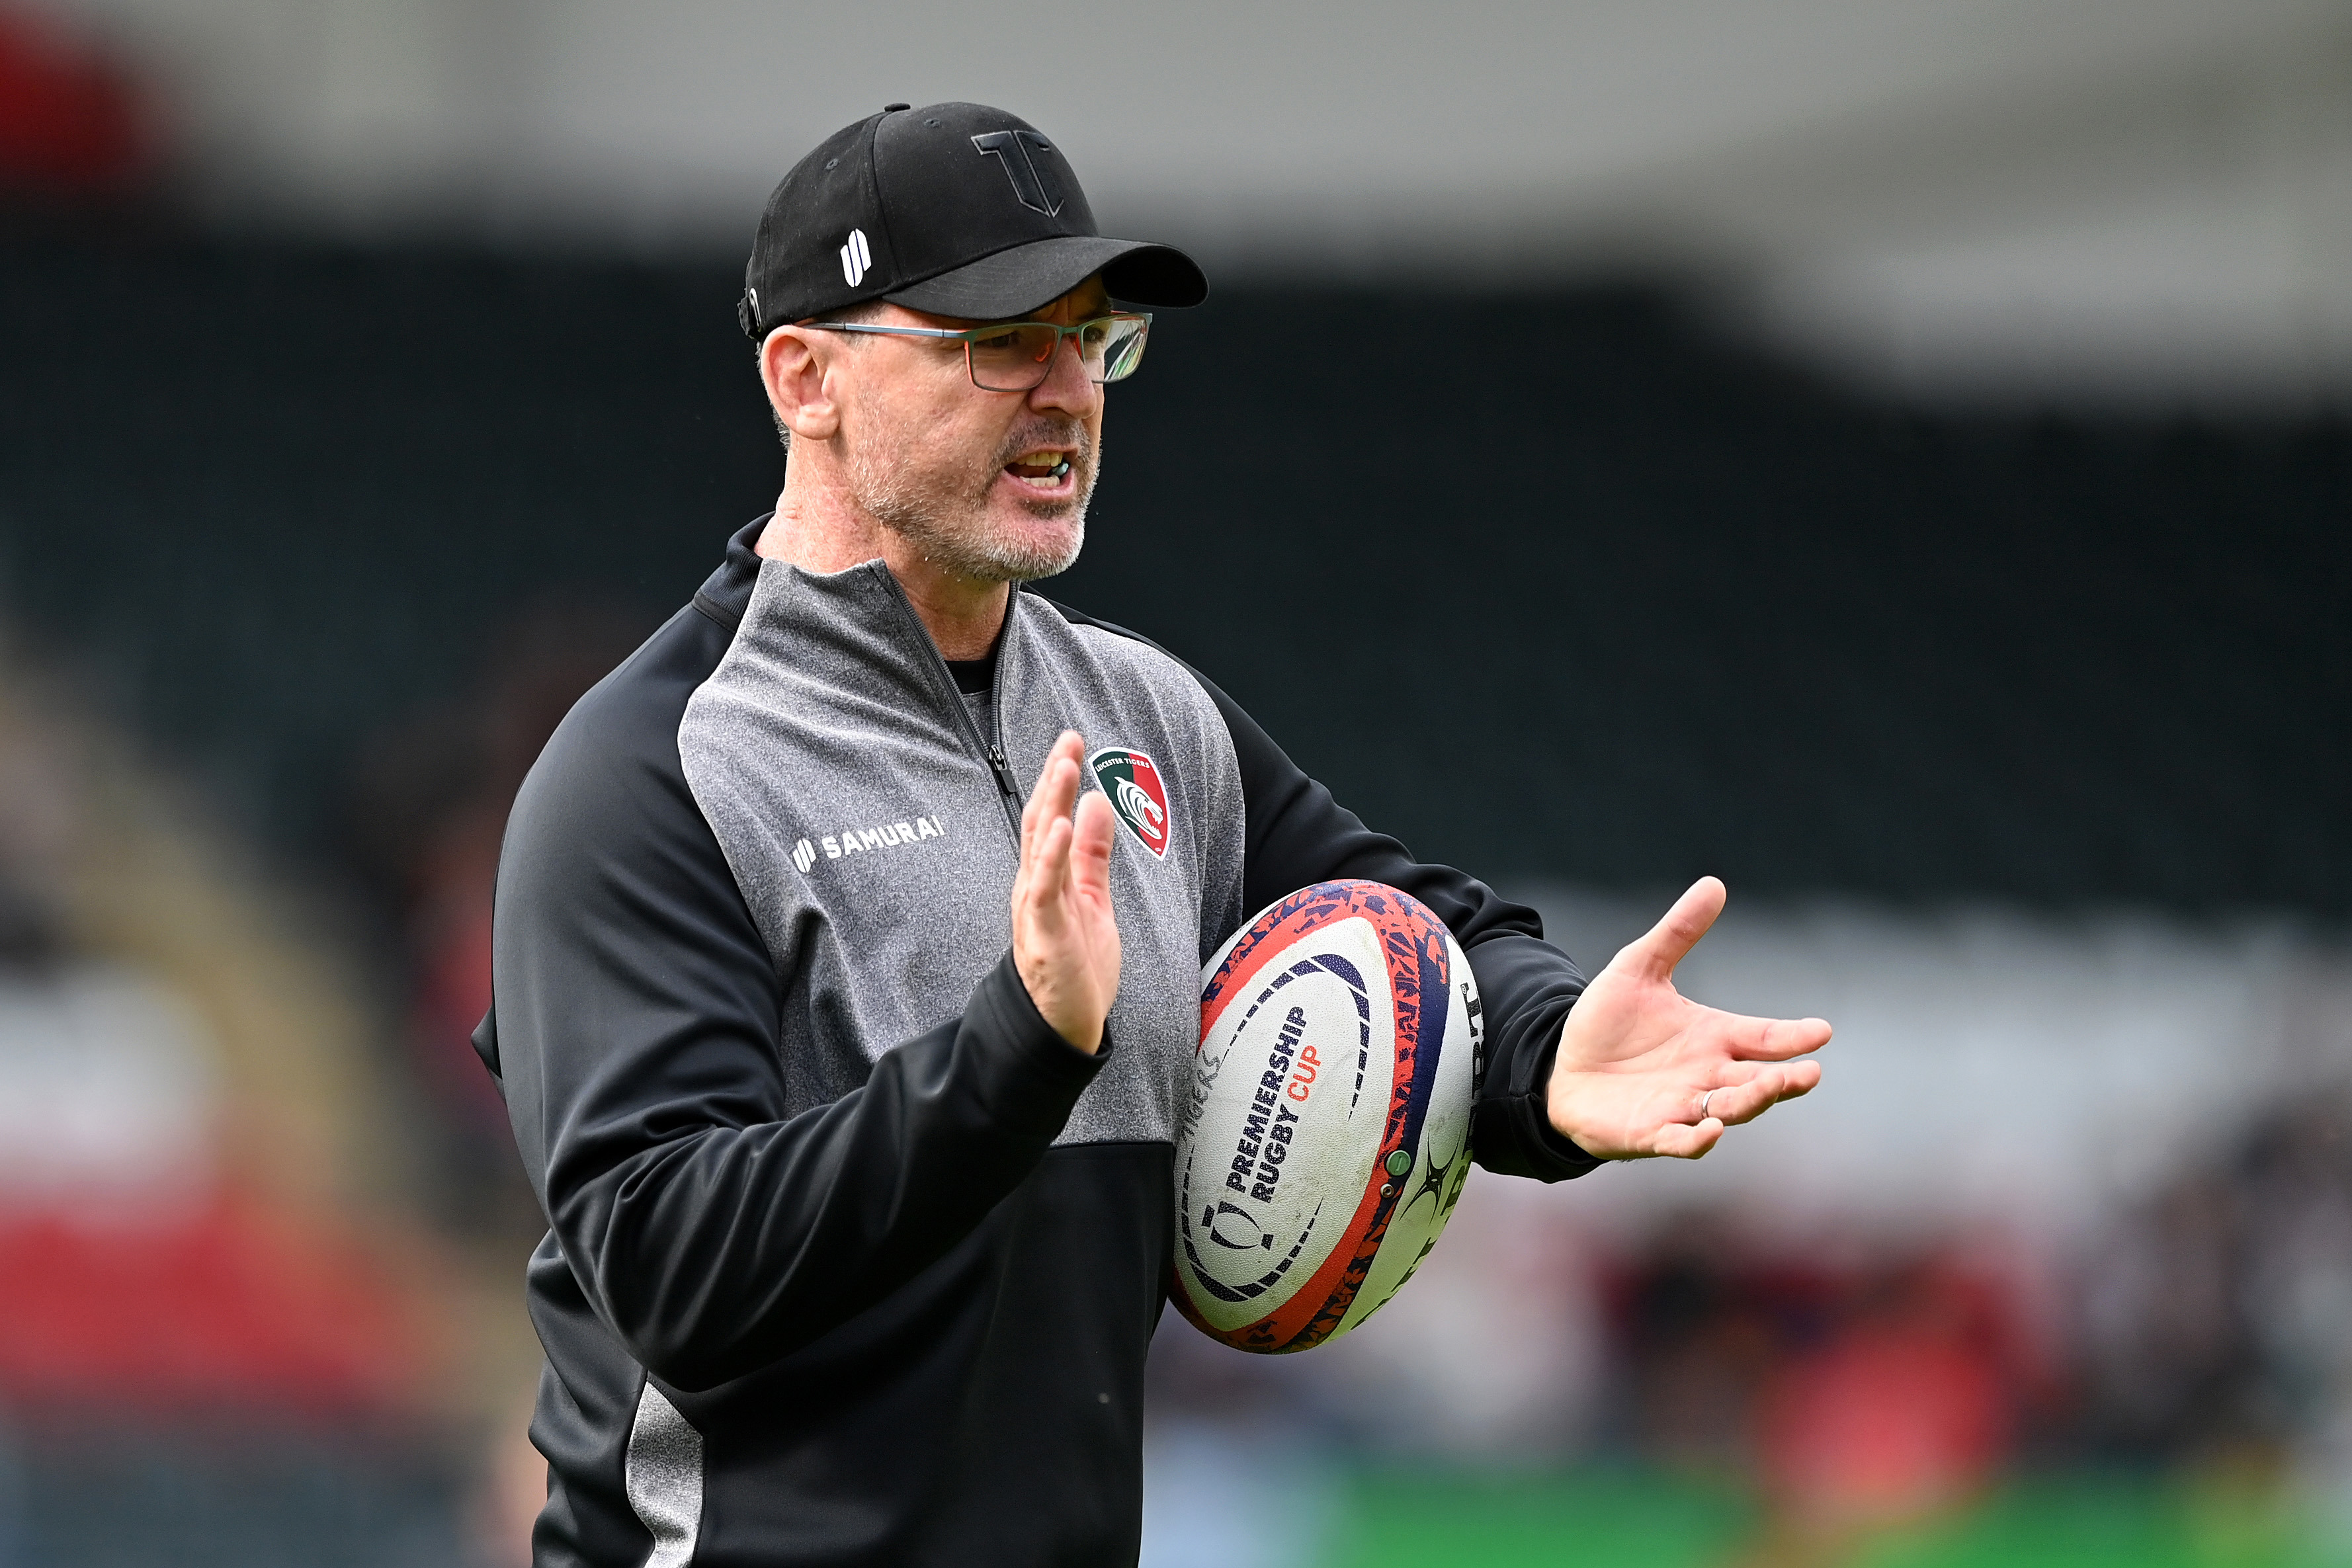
(851, 1260)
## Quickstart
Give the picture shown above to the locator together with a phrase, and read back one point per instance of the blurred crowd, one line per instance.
(2215, 1318)
(2064, 1209)
(2197, 1333)
(235, 1211)
(1847, 1386)
(261, 1223)
(428, 804)
(202, 1260)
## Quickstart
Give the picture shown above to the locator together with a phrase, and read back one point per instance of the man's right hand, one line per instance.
(1064, 941)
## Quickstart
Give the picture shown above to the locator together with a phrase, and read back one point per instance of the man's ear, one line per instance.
(792, 365)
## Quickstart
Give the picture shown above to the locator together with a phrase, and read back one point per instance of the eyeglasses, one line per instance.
(1015, 356)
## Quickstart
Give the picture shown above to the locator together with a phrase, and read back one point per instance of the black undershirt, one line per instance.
(975, 679)
(974, 675)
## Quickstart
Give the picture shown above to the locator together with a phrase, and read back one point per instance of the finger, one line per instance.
(1680, 1141)
(1654, 954)
(1065, 750)
(1090, 842)
(1768, 1039)
(1052, 884)
(1036, 816)
(1032, 813)
(1058, 790)
(1042, 806)
(1767, 1087)
(1044, 862)
(1029, 808)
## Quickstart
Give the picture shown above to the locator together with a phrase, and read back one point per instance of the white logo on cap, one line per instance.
(855, 258)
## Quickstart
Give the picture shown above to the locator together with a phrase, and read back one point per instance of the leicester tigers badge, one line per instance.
(1132, 784)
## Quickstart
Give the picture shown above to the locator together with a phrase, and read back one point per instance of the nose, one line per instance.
(1067, 386)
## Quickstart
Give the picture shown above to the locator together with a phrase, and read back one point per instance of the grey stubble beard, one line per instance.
(947, 521)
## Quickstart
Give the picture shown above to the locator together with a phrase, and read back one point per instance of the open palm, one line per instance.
(1642, 1069)
(1064, 934)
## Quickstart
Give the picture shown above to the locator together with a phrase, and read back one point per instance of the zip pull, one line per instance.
(1004, 771)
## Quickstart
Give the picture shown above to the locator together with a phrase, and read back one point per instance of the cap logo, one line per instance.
(1033, 182)
(855, 257)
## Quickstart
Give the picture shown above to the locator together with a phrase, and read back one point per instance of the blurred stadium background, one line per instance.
(1894, 455)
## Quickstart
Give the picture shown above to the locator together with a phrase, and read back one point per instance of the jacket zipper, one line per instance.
(986, 747)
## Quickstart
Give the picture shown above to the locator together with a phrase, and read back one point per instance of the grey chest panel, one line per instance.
(850, 791)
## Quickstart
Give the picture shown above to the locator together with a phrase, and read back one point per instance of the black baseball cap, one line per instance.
(957, 209)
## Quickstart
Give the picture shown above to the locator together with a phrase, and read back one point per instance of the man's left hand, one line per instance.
(1644, 1071)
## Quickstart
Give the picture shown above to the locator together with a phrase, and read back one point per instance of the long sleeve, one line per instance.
(1298, 834)
(635, 1034)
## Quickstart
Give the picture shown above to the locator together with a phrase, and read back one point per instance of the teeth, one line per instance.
(1055, 464)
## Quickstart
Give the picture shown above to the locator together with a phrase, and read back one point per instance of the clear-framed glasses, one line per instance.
(1015, 356)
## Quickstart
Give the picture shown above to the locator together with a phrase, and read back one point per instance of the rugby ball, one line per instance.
(1325, 1136)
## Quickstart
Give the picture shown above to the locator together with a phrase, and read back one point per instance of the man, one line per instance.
(846, 1073)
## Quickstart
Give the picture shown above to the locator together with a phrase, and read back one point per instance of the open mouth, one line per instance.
(1044, 469)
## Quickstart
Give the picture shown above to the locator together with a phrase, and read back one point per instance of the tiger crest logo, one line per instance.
(1131, 782)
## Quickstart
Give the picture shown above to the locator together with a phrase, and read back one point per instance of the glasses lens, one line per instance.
(1014, 358)
(1114, 346)
(1018, 357)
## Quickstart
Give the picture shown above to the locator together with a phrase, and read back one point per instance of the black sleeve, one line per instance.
(1299, 834)
(636, 1035)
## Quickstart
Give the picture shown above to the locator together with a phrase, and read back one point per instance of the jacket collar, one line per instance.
(727, 592)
